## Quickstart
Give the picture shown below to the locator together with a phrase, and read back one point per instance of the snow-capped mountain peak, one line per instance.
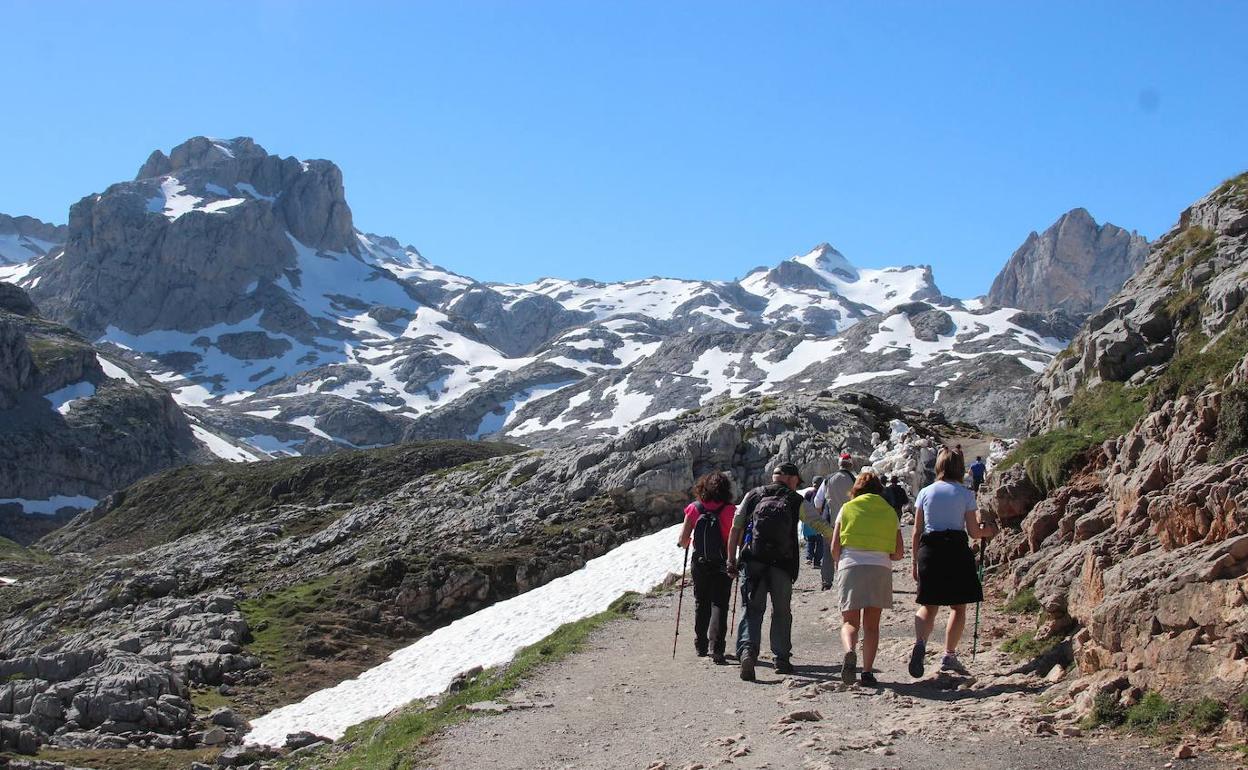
(237, 278)
(826, 260)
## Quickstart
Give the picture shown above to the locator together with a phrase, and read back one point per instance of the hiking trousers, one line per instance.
(827, 568)
(758, 581)
(814, 549)
(712, 590)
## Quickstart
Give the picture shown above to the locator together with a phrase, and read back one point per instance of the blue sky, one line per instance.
(613, 140)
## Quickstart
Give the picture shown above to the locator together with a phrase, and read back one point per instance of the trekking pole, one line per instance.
(980, 572)
(684, 565)
(733, 623)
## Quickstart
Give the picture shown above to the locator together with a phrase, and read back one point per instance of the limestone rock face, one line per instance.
(76, 425)
(1199, 262)
(1145, 547)
(1076, 265)
(196, 244)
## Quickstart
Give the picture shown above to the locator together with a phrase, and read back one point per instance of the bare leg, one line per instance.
(850, 621)
(925, 621)
(955, 627)
(870, 635)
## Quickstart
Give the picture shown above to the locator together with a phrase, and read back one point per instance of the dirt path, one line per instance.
(625, 703)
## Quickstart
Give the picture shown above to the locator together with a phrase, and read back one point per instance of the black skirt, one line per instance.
(947, 573)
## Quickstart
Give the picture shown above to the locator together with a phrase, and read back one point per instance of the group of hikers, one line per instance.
(852, 526)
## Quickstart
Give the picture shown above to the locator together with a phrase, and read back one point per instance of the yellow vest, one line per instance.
(869, 523)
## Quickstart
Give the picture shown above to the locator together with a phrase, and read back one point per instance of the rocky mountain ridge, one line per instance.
(237, 279)
(1075, 265)
(1128, 508)
(76, 425)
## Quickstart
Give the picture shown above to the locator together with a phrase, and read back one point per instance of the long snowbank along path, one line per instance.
(486, 638)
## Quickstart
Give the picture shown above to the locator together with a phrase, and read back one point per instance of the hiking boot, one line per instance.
(951, 663)
(783, 666)
(718, 659)
(826, 587)
(868, 679)
(700, 649)
(916, 659)
(747, 665)
(849, 667)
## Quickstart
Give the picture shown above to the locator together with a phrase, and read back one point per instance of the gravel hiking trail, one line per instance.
(623, 702)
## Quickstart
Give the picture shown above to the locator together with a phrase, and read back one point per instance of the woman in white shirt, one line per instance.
(943, 563)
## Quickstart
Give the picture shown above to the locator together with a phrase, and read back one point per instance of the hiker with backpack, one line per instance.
(866, 541)
(708, 523)
(765, 531)
(832, 494)
(814, 540)
(943, 563)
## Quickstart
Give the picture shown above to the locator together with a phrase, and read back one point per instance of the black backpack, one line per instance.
(773, 535)
(708, 538)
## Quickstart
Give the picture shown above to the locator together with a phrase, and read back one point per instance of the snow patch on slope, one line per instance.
(489, 637)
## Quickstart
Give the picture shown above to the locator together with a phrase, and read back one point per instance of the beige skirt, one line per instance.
(865, 585)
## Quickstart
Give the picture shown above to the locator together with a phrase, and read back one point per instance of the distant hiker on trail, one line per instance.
(708, 523)
(866, 540)
(814, 540)
(978, 471)
(766, 522)
(828, 501)
(896, 495)
(942, 561)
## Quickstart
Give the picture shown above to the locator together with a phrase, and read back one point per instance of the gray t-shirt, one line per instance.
(833, 494)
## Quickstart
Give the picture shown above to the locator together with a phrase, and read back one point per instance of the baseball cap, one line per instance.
(787, 469)
(846, 459)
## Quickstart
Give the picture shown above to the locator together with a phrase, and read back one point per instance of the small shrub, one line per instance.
(1106, 710)
(1204, 715)
(1026, 646)
(1151, 712)
(1024, 603)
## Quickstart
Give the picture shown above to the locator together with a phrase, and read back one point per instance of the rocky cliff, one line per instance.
(76, 425)
(1128, 509)
(270, 580)
(1075, 265)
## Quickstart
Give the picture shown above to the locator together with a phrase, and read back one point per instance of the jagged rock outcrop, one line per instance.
(1158, 312)
(1075, 265)
(329, 563)
(1144, 546)
(199, 238)
(76, 426)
